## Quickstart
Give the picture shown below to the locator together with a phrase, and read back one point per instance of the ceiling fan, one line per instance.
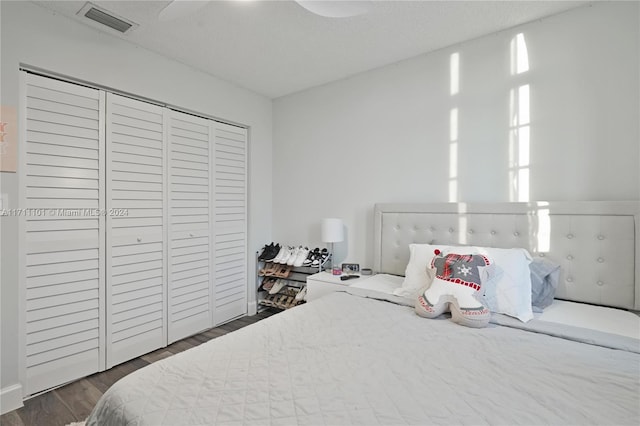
(327, 8)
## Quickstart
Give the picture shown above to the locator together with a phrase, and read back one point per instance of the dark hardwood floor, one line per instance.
(74, 401)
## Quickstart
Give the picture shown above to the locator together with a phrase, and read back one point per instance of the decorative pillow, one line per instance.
(544, 282)
(507, 291)
(455, 288)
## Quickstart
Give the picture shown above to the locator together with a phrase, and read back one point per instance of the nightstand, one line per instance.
(323, 283)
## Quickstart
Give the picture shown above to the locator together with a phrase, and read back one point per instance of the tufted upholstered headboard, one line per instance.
(597, 244)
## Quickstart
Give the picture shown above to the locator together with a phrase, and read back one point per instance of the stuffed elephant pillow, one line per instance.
(457, 287)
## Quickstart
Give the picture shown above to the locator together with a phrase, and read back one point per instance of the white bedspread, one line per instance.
(345, 360)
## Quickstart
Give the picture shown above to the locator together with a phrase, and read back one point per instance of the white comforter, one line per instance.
(345, 360)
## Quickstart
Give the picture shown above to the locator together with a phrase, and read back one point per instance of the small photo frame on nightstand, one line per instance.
(350, 268)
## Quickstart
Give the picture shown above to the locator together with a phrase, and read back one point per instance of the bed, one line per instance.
(361, 357)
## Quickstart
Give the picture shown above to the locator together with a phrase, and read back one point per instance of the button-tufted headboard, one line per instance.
(596, 243)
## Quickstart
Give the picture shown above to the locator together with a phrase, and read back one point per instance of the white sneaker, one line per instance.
(280, 254)
(294, 255)
(285, 257)
(301, 257)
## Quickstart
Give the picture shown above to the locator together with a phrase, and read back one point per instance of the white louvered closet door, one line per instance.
(136, 226)
(62, 167)
(190, 225)
(230, 222)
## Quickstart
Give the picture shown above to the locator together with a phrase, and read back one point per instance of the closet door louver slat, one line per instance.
(136, 250)
(63, 280)
(230, 222)
(190, 238)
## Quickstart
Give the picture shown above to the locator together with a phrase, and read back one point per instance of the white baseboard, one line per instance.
(10, 398)
(252, 309)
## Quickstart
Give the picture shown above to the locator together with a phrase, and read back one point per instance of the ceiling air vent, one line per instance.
(101, 16)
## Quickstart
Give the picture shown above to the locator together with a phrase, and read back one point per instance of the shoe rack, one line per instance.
(294, 278)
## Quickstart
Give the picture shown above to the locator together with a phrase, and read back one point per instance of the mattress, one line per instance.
(600, 318)
(611, 327)
(346, 359)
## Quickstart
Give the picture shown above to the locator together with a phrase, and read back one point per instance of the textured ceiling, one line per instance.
(277, 47)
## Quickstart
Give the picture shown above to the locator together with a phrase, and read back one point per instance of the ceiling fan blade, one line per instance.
(180, 8)
(336, 9)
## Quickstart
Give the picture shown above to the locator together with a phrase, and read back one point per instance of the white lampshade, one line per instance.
(332, 230)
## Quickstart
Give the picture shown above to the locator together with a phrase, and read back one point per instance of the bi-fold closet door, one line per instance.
(207, 224)
(63, 235)
(190, 225)
(136, 253)
(135, 235)
(230, 222)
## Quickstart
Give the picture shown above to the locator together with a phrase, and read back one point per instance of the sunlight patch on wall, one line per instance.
(454, 90)
(519, 124)
(453, 154)
(454, 67)
(543, 233)
(519, 55)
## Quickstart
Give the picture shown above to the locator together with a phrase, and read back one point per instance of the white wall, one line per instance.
(34, 36)
(384, 135)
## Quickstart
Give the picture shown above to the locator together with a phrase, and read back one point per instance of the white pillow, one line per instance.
(415, 275)
(508, 290)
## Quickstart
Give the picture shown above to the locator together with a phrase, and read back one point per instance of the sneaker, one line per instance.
(324, 256)
(311, 257)
(275, 250)
(294, 255)
(283, 255)
(266, 250)
(279, 285)
(303, 253)
(321, 258)
(280, 255)
(287, 255)
(301, 294)
(272, 253)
